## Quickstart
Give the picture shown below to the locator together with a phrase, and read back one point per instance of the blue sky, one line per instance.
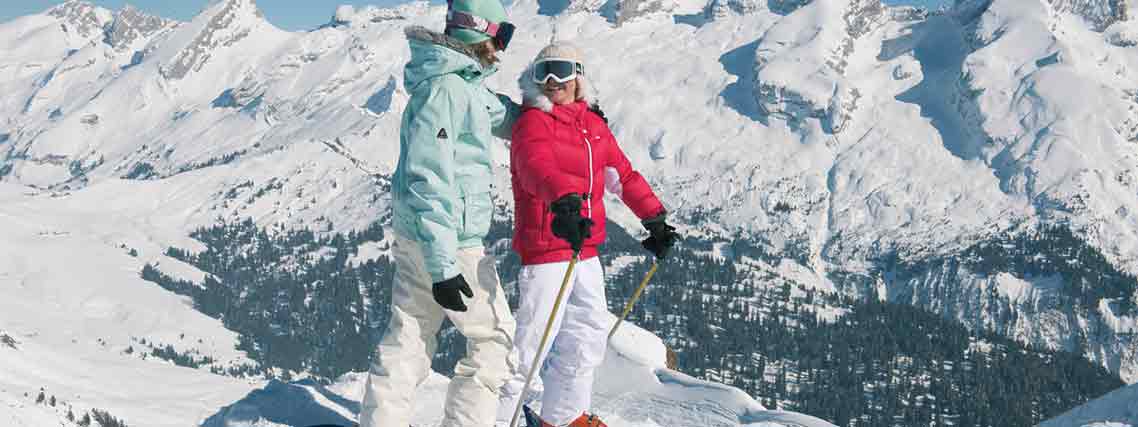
(288, 14)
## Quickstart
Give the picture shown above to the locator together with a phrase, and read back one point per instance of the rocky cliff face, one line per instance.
(131, 25)
(225, 24)
(80, 18)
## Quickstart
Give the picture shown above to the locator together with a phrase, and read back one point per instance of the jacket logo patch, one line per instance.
(442, 134)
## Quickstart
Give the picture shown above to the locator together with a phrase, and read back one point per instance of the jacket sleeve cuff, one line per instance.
(659, 217)
(505, 129)
(444, 272)
(439, 255)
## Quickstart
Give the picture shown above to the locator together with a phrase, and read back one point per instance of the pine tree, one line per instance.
(105, 419)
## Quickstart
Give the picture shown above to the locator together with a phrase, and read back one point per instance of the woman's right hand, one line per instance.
(446, 293)
(568, 224)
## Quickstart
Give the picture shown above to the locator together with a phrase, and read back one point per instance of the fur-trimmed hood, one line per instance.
(420, 33)
(434, 54)
(533, 97)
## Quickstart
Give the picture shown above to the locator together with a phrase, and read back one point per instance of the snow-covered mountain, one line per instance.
(835, 133)
(977, 162)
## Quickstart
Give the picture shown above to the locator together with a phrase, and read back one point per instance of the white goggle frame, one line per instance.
(578, 69)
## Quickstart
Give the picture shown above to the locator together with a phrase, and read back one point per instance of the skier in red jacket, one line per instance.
(563, 158)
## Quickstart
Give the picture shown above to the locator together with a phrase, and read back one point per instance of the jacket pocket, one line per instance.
(544, 230)
(477, 210)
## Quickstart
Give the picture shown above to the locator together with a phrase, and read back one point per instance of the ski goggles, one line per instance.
(500, 32)
(558, 69)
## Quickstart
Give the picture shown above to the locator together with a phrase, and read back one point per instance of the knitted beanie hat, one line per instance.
(561, 50)
(490, 10)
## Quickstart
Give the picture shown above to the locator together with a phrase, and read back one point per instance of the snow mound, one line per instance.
(1117, 409)
(1122, 34)
(302, 403)
(635, 388)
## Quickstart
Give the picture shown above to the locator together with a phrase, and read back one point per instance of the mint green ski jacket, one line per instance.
(441, 186)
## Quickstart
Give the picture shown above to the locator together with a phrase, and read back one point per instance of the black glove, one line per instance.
(662, 238)
(568, 224)
(446, 293)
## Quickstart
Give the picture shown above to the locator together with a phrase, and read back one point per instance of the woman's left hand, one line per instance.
(662, 236)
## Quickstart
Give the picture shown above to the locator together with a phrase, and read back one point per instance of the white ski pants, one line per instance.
(576, 344)
(403, 358)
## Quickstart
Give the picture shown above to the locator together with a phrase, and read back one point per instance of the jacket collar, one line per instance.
(568, 113)
(434, 54)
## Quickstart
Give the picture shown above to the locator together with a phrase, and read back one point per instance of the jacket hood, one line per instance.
(434, 54)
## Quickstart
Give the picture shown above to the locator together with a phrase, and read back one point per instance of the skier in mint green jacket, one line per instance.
(442, 210)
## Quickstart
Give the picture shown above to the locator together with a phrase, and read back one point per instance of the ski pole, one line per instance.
(544, 337)
(635, 296)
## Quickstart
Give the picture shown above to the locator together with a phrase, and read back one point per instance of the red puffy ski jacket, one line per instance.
(568, 150)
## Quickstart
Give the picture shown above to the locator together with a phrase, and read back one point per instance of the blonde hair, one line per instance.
(486, 52)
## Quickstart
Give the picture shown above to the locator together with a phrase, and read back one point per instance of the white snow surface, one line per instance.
(633, 389)
(74, 302)
(1117, 409)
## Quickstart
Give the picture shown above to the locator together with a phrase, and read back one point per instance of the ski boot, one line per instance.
(585, 420)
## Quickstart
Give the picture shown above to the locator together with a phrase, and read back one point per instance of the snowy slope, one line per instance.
(1058, 109)
(633, 389)
(74, 305)
(1117, 409)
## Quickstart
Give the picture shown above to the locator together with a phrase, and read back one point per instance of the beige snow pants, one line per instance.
(403, 358)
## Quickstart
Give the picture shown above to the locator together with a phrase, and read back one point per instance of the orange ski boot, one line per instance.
(588, 420)
(585, 420)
